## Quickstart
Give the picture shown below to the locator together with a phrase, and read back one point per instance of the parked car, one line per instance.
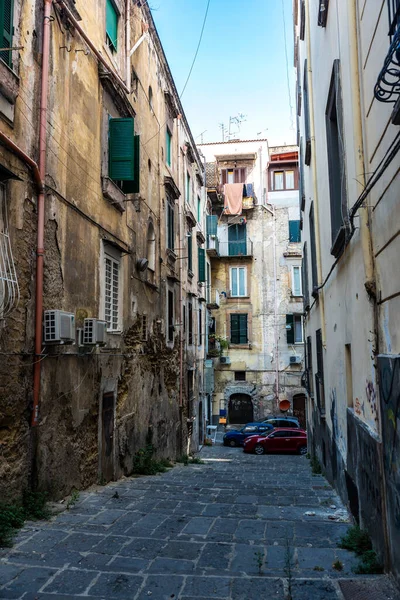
(278, 440)
(236, 437)
(281, 421)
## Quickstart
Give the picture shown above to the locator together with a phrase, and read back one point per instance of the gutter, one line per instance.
(5, 140)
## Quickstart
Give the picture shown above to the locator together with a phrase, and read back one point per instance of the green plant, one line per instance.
(259, 558)
(189, 460)
(357, 540)
(315, 466)
(338, 565)
(32, 507)
(73, 499)
(195, 460)
(184, 459)
(145, 464)
(368, 564)
(166, 463)
(308, 455)
(318, 568)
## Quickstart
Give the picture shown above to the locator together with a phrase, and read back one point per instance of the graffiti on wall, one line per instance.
(359, 408)
(371, 398)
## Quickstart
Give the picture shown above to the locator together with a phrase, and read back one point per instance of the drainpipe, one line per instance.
(40, 222)
(181, 340)
(365, 231)
(92, 47)
(128, 43)
(23, 156)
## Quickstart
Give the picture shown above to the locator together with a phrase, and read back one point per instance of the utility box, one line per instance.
(295, 360)
(58, 327)
(94, 332)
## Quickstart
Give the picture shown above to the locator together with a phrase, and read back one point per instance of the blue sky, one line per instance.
(240, 68)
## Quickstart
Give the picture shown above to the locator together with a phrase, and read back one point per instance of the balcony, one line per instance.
(212, 245)
(237, 248)
(387, 87)
(213, 300)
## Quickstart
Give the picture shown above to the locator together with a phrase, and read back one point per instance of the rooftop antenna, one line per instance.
(240, 117)
(201, 136)
(223, 130)
(260, 132)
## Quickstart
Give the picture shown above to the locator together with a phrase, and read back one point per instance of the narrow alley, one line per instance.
(235, 527)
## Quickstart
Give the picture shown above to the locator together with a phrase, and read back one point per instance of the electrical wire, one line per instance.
(287, 67)
(197, 49)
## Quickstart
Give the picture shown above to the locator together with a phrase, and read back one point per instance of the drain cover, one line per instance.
(379, 588)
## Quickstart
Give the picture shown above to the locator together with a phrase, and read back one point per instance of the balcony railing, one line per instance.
(239, 248)
(212, 245)
(213, 299)
(387, 87)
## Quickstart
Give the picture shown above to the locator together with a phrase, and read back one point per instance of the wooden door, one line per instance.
(299, 409)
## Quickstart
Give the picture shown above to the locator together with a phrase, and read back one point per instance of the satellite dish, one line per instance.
(142, 264)
(284, 405)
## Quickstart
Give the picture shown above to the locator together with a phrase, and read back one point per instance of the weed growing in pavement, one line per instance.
(358, 540)
(31, 507)
(259, 558)
(337, 565)
(73, 499)
(318, 568)
(308, 455)
(189, 460)
(288, 568)
(315, 466)
(145, 464)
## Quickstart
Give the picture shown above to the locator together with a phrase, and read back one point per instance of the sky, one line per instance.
(240, 67)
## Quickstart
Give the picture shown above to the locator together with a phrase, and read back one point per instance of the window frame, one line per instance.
(298, 267)
(6, 37)
(170, 316)
(111, 45)
(298, 318)
(200, 325)
(188, 186)
(170, 224)
(239, 335)
(168, 147)
(238, 295)
(276, 168)
(190, 323)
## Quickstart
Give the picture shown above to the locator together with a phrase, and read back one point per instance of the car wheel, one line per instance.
(232, 443)
(303, 450)
(259, 449)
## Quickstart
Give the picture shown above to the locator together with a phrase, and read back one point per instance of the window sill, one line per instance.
(113, 193)
(190, 274)
(114, 332)
(238, 346)
(339, 242)
(298, 297)
(171, 255)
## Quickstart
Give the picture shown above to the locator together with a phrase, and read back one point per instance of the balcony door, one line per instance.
(237, 240)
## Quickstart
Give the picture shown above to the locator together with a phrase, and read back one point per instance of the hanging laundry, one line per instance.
(249, 190)
(233, 201)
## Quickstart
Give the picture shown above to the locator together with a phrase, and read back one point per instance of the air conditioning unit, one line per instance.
(295, 360)
(224, 360)
(94, 332)
(58, 327)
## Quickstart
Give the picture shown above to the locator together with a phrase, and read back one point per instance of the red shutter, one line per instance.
(224, 176)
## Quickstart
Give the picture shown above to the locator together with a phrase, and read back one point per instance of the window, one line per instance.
(168, 147)
(237, 244)
(170, 224)
(144, 328)
(314, 271)
(278, 180)
(124, 154)
(238, 281)
(304, 278)
(202, 265)
(302, 19)
(200, 326)
(111, 26)
(319, 376)
(112, 292)
(6, 30)
(198, 209)
(294, 231)
(208, 294)
(171, 327)
(190, 251)
(190, 323)
(188, 188)
(294, 329)
(233, 175)
(336, 163)
(323, 12)
(239, 333)
(307, 155)
(296, 281)
(310, 381)
(349, 375)
(150, 96)
(302, 194)
(240, 375)
(151, 247)
(289, 175)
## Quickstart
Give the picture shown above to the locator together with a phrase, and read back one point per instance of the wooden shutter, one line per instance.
(314, 271)
(307, 156)
(290, 332)
(133, 187)
(202, 264)
(235, 329)
(224, 175)
(294, 231)
(6, 29)
(243, 337)
(304, 276)
(111, 24)
(239, 329)
(319, 376)
(212, 224)
(190, 252)
(121, 149)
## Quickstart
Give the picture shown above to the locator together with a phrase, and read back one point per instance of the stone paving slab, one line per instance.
(227, 529)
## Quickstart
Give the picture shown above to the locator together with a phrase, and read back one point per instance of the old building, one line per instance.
(102, 234)
(349, 166)
(253, 241)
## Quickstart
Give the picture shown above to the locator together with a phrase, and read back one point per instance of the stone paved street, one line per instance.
(227, 529)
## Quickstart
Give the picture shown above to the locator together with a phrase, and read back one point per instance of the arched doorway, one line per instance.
(201, 424)
(299, 409)
(240, 409)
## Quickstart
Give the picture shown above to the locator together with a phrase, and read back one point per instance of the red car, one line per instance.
(278, 440)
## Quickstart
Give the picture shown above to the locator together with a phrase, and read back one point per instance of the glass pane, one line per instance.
(296, 281)
(234, 282)
(289, 180)
(242, 282)
(298, 331)
(278, 180)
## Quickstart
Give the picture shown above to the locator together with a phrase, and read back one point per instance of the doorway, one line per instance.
(201, 424)
(107, 437)
(299, 409)
(240, 409)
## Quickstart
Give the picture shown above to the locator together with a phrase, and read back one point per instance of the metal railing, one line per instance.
(387, 87)
(240, 248)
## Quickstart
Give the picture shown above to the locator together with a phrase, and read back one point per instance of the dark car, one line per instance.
(236, 437)
(289, 422)
(279, 440)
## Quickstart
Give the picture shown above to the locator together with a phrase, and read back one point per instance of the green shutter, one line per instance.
(212, 224)
(6, 29)
(243, 338)
(239, 329)
(190, 252)
(290, 332)
(202, 265)
(235, 329)
(168, 147)
(294, 231)
(111, 24)
(133, 187)
(121, 149)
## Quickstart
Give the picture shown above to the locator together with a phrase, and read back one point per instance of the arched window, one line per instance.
(151, 98)
(151, 247)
